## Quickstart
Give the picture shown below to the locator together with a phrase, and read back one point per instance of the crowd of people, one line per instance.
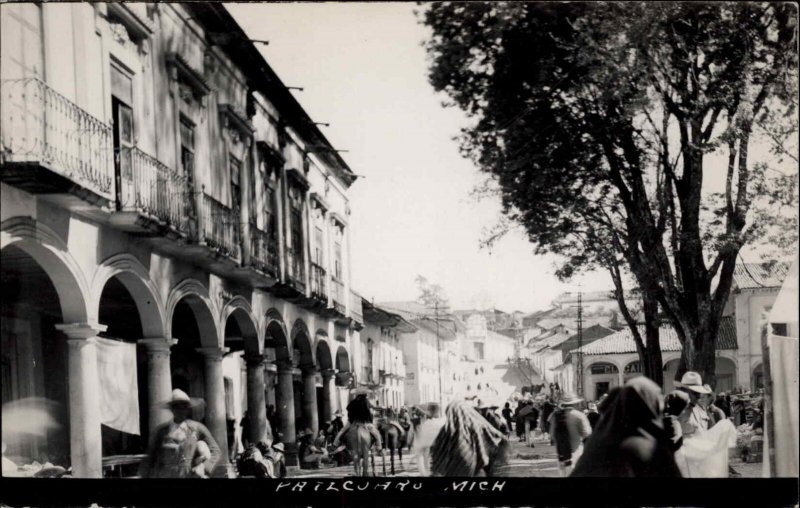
(634, 430)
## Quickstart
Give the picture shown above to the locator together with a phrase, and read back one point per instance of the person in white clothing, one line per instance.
(425, 435)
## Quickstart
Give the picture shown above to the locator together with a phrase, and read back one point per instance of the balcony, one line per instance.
(337, 309)
(219, 230)
(294, 287)
(52, 147)
(152, 197)
(318, 291)
(263, 257)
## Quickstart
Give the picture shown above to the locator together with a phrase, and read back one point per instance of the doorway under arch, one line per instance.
(34, 355)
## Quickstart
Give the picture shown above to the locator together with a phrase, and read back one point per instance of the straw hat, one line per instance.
(338, 412)
(279, 447)
(569, 399)
(692, 380)
(181, 399)
(361, 391)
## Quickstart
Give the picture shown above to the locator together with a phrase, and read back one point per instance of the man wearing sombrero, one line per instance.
(182, 447)
(359, 411)
(569, 428)
(694, 418)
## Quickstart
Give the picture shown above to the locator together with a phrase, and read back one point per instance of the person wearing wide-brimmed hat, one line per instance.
(569, 428)
(359, 411)
(695, 417)
(182, 447)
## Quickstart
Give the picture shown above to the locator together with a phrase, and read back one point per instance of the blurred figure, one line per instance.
(593, 415)
(695, 417)
(467, 445)
(431, 422)
(245, 425)
(569, 428)
(311, 455)
(182, 447)
(704, 452)
(272, 418)
(507, 414)
(544, 418)
(359, 411)
(630, 439)
(715, 414)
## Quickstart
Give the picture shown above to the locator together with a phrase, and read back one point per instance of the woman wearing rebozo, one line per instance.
(467, 444)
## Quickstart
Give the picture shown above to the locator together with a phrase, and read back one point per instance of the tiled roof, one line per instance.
(622, 342)
(590, 334)
(760, 275)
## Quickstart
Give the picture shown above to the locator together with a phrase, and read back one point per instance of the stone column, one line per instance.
(159, 379)
(215, 402)
(284, 394)
(85, 440)
(310, 414)
(256, 402)
(327, 395)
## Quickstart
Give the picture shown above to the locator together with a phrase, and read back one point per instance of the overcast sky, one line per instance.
(364, 71)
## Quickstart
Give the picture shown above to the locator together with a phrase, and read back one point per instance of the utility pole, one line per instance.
(438, 352)
(579, 359)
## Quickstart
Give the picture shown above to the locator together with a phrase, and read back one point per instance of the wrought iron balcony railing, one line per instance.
(219, 226)
(318, 282)
(154, 189)
(263, 251)
(39, 125)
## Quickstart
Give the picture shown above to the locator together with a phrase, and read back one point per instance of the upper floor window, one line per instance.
(318, 250)
(187, 149)
(337, 263)
(296, 218)
(369, 357)
(121, 102)
(269, 176)
(236, 185)
(21, 50)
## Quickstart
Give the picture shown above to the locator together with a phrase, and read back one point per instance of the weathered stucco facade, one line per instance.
(160, 186)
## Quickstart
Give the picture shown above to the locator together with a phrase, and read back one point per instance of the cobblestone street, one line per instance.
(524, 462)
(539, 461)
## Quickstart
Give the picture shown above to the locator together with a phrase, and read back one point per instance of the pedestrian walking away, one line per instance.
(569, 428)
(631, 439)
(467, 445)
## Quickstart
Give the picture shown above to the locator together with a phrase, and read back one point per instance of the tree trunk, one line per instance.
(650, 356)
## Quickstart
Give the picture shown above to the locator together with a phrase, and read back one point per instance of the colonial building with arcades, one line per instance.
(166, 204)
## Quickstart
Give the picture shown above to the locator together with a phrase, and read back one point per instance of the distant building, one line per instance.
(610, 360)
(382, 359)
(488, 371)
(430, 353)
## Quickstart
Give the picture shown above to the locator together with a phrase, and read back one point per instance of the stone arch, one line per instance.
(196, 296)
(757, 376)
(52, 254)
(342, 359)
(726, 374)
(239, 309)
(136, 279)
(301, 342)
(324, 356)
(276, 335)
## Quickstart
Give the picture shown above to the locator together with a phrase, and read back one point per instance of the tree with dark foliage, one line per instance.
(600, 124)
